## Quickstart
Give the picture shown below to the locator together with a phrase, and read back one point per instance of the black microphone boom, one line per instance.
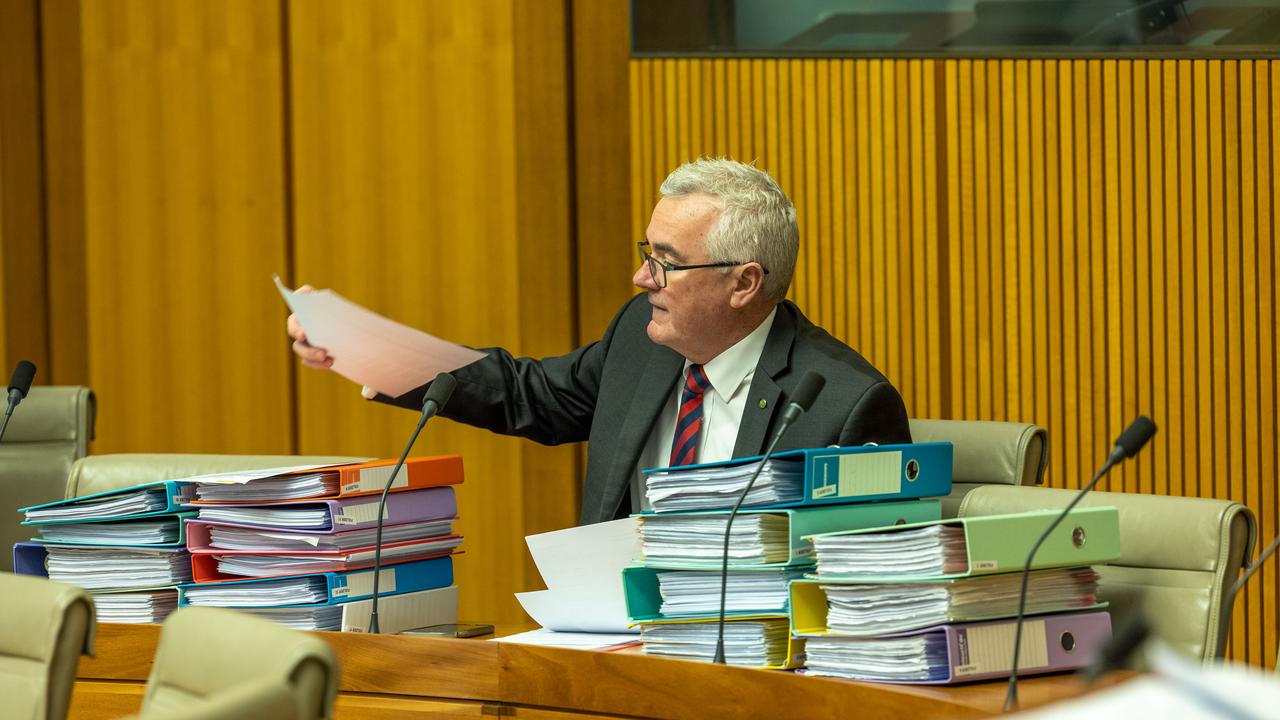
(19, 386)
(801, 400)
(437, 395)
(1127, 445)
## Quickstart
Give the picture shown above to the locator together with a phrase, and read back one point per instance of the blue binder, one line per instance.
(342, 587)
(858, 473)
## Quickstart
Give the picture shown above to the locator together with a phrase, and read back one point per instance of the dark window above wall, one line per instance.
(963, 28)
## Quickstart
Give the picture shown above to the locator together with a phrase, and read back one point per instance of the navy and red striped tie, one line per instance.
(689, 424)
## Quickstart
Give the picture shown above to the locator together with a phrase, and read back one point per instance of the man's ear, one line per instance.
(748, 286)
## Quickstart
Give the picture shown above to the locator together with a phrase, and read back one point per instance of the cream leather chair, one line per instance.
(986, 452)
(214, 663)
(99, 473)
(49, 431)
(1178, 557)
(44, 627)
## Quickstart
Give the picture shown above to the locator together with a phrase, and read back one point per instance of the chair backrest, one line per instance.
(262, 700)
(987, 452)
(1178, 557)
(206, 652)
(44, 627)
(100, 473)
(49, 431)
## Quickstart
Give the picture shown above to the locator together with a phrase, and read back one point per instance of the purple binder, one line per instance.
(437, 503)
(982, 650)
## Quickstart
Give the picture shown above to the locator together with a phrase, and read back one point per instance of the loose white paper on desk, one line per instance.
(582, 567)
(370, 349)
(580, 641)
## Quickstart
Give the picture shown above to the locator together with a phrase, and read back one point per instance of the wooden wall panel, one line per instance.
(23, 310)
(431, 184)
(184, 224)
(1065, 242)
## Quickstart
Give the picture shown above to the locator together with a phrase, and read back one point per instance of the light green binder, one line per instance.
(1000, 543)
(804, 522)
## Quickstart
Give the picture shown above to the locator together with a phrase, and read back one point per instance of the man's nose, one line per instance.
(644, 279)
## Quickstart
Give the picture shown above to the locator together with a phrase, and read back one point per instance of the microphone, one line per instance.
(19, 386)
(437, 395)
(801, 400)
(1127, 445)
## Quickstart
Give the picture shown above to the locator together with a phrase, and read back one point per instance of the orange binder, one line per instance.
(365, 478)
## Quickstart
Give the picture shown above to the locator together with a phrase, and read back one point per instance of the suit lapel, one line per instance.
(654, 387)
(762, 402)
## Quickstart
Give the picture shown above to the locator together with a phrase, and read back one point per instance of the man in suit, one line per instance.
(695, 369)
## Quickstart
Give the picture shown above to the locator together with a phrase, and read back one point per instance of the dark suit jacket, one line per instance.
(610, 393)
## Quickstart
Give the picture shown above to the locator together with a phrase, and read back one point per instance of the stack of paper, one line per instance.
(166, 530)
(755, 539)
(749, 643)
(863, 610)
(127, 547)
(131, 503)
(931, 602)
(135, 607)
(923, 552)
(277, 564)
(225, 537)
(695, 593)
(963, 651)
(102, 568)
(707, 488)
(297, 544)
(286, 487)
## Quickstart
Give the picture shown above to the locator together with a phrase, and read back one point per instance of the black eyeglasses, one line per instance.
(659, 268)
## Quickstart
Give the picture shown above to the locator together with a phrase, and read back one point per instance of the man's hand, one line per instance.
(312, 356)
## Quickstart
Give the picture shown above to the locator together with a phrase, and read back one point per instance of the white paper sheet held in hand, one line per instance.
(370, 349)
(582, 567)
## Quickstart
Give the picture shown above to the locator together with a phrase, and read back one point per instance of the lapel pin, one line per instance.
(763, 403)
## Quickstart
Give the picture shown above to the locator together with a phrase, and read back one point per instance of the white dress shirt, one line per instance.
(730, 374)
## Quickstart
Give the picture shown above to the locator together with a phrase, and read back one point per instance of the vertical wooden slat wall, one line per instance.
(1064, 242)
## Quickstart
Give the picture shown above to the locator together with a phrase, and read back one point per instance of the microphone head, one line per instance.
(807, 390)
(440, 391)
(1135, 436)
(23, 374)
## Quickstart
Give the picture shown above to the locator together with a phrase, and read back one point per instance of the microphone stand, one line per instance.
(437, 395)
(801, 400)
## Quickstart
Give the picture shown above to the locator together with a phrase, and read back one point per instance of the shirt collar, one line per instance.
(728, 370)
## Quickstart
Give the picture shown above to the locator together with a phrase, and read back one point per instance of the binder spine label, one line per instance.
(358, 514)
(375, 478)
(987, 648)
(361, 584)
(859, 475)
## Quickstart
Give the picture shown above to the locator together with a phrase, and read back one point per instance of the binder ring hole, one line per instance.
(1068, 641)
(913, 470)
(1078, 537)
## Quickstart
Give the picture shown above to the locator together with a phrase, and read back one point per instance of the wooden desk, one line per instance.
(390, 676)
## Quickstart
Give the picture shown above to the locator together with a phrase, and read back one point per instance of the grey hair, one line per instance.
(757, 220)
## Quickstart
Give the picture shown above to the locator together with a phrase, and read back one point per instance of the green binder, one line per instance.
(1000, 543)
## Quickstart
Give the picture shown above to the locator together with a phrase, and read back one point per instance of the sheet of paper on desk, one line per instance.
(582, 567)
(585, 554)
(370, 349)
(580, 641)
